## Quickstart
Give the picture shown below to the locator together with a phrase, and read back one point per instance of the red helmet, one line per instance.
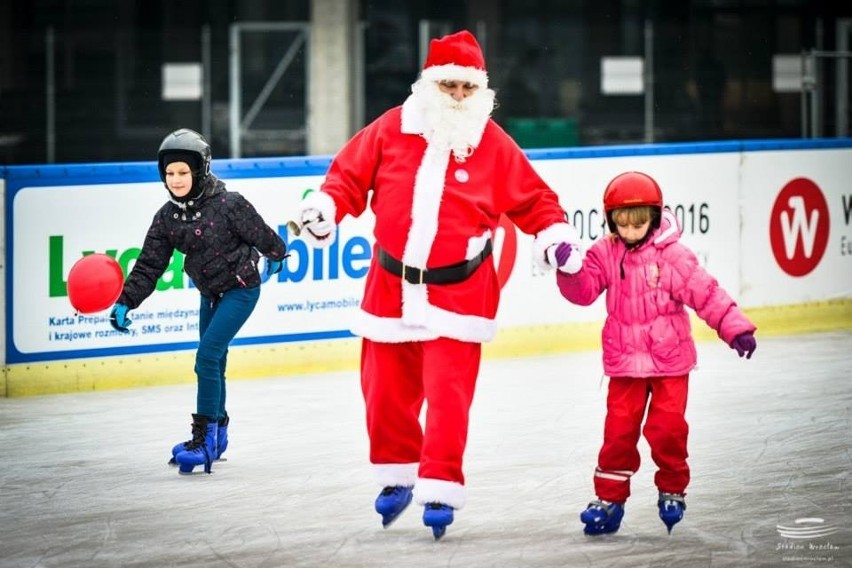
(632, 189)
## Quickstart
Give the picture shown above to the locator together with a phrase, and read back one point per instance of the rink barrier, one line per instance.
(342, 355)
(736, 190)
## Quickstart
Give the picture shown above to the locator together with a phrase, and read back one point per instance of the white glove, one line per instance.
(316, 218)
(314, 223)
(565, 257)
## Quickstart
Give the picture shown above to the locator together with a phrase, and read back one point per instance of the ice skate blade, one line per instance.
(670, 526)
(174, 462)
(596, 530)
(191, 473)
(438, 516)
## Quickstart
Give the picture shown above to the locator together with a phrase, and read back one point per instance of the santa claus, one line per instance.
(437, 173)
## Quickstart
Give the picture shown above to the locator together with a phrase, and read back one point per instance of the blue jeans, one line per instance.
(218, 323)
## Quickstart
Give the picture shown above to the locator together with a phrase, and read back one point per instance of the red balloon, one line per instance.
(94, 283)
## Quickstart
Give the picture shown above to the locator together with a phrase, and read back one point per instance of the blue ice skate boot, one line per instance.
(221, 442)
(222, 436)
(671, 507)
(201, 450)
(601, 517)
(437, 516)
(392, 501)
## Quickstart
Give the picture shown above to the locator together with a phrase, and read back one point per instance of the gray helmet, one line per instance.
(186, 141)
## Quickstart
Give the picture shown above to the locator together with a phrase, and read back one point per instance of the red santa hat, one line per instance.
(456, 57)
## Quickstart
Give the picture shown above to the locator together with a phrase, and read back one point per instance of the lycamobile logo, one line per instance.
(346, 257)
(173, 278)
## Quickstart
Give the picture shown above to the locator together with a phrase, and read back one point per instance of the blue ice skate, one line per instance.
(601, 517)
(201, 450)
(392, 501)
(437, 516)
(221, 442)
(671, 507)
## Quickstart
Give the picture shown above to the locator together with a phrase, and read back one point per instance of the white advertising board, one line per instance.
(796, 234)
(114, 218)
(731, 198)
(700, 189)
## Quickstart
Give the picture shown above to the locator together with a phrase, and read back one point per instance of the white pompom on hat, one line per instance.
(456, 57)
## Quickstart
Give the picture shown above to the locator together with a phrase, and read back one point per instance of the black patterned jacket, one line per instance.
(221, 235)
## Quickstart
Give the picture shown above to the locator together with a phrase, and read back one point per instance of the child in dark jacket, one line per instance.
(649, 277)
(221, 235)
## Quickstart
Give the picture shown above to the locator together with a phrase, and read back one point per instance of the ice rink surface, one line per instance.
(84, 480)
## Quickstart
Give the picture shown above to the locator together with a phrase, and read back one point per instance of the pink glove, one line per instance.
(745, 344)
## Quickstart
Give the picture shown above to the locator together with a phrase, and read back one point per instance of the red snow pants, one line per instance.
(396, 378)
(665, 430)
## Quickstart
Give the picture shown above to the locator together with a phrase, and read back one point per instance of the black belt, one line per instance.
(444, 275)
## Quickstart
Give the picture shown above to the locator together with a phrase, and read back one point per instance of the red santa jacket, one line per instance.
(433, 211)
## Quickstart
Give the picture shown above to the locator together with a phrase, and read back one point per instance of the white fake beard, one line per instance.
(456, 125)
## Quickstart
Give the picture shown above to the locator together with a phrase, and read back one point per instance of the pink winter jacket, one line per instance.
(647, 331)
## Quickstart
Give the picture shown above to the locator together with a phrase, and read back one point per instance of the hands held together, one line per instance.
(316, 219)
(565, 257)
(313, 222)
(315, 228)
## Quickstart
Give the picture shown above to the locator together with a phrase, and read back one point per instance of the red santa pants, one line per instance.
(395, 380)
(665, 429)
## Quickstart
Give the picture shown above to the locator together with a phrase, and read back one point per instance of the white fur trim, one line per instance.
(452, 72)
(439, 491)
(323, 203)
(395, 473)
(426, 202)
(555, 234)
(437, 323)
(415, 302)
(428, 190)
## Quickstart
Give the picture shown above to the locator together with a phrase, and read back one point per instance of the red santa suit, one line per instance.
(424, 340)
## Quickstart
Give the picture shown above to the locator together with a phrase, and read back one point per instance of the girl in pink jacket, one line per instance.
(649, 277)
